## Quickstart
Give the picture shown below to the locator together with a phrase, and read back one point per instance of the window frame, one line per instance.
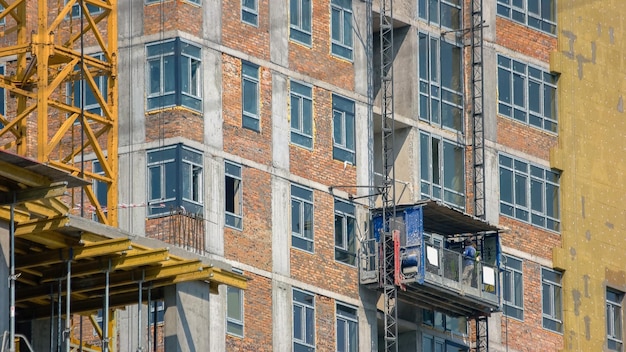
(344, 46)
(552, 313)
(530, 76)
(177, 160)
(77, 11)
(345, 212)
(236, 218)
(511, 284)
(75, 88)
(344, 149)
(426, 13)
(160, 306)
(505, 9)
(438, 108)
(549, 179)
(235, 321)
(249, 13)
(300, 31)
(250, 120)
(428, 186)
(350, 322)
(187, 91)
(614, 313)
(300, 240)
(2, 20)
(307, 342)
(303, 94)
(96, 168)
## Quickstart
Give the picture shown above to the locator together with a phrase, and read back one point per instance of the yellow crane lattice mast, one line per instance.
(61, 105)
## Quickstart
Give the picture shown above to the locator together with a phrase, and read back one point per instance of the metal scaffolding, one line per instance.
(478, 141)
(388, 195)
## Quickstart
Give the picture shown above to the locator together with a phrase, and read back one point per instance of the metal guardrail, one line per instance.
(6, 339)
(481, 279)
(368, 261)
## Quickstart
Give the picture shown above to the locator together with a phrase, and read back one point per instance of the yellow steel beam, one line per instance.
(38, 226)
(49, 239)
(228, 278)
(41, 209)
(21, 175)
(19, 215)
(129, 260)
(97, 249)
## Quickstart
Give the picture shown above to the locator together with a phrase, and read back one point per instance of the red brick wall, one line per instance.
(527, 139)
(257, 317)
(252, 145)
(525, 40)
(318, 164)
(523, 236)
(239, 35)
(253, 245)
(317, 60)
(174, 122)
(320, 268)
(529, 335)
(173, 14)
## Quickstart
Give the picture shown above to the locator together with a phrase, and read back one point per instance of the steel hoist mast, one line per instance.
(388, 187)
(478, 141)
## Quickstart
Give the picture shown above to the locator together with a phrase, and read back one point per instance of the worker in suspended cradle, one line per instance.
(469, 255)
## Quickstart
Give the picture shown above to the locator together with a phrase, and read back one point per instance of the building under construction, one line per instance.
(434, 161)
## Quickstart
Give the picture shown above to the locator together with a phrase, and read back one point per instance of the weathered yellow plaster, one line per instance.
(591, 152)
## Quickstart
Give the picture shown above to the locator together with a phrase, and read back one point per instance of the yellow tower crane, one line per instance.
(59, 73)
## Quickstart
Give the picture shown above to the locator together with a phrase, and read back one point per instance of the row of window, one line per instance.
(552, 301)
(180, 168)
(538, 14)
(300, 25)
(304, 324)
(527, 192)
(303, 309)
(525, 93)
(551, 293)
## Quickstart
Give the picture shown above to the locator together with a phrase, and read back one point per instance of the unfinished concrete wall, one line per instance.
(591, 152)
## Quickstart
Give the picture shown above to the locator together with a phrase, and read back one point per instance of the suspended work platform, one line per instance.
(429, 241)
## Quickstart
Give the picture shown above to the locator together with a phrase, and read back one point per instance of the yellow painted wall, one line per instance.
(591, 153)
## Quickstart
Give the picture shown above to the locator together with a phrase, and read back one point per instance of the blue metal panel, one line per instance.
(377, 225)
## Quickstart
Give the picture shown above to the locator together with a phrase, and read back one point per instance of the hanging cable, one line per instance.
(82, 106)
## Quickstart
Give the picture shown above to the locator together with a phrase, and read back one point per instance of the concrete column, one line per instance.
(281, 229)
(279, 32)
(186, 316)
(212, 20)
(282, 316)
(214, 205)
(368, 327)
(217, 321)
(127, 322)
(132, 190)
(130, 19)
(212, 103)
(490, 105)
(131, 110)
